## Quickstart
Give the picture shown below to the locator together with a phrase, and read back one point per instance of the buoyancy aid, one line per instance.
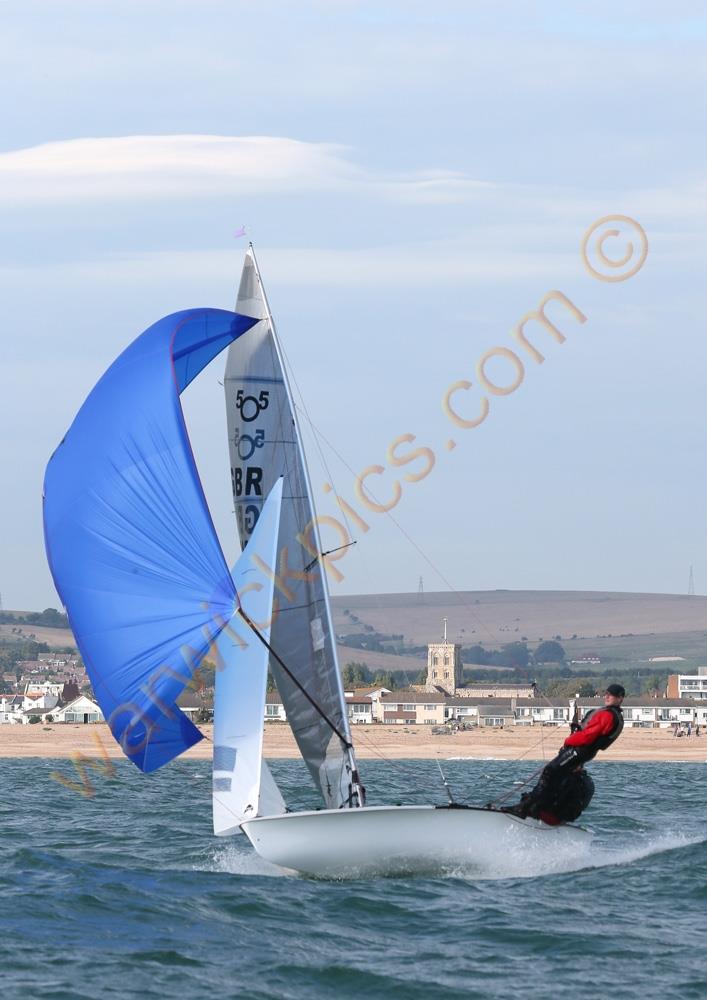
(588, 752)
(605, 741)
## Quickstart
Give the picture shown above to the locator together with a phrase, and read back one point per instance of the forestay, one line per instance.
(264, 445)
(130, 540)
(243, 787)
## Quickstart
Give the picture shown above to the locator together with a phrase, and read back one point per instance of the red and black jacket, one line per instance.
(600, 728)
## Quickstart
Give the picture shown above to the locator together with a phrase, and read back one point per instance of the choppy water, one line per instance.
(127, 894)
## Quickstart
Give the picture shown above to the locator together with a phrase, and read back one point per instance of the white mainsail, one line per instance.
(264, 444)
(243, 787)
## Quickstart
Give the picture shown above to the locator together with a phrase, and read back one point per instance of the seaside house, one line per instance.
(274, 709)
(409, 707)
(7, 708)
(542, 711)
(496, 713)
(462, 710)
(359, 706)
(19, 708)
(36, 702)
(43, 714)
(80, 710)
(13, 713)
(509, 711)
(375, 694)
(193, 705)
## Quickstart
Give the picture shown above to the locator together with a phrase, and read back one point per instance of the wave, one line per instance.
(624, 854)
(237, 857)
(563, 859)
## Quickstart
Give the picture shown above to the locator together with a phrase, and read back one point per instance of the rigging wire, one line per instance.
(316, 434)
(435, 569)
(304, 411)
(254, 628)
(514, 789)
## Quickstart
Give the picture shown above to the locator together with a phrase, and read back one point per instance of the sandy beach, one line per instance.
(376, 741)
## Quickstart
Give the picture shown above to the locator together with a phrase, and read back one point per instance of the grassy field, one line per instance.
(54, 637)
(622, 628)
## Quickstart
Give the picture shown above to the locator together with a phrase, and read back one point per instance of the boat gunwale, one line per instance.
(453, 808)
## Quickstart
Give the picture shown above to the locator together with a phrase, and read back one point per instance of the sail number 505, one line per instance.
(250, 407)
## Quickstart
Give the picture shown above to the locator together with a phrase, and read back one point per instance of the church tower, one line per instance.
(444, 664)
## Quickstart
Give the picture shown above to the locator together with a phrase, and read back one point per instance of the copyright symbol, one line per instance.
(618, 247)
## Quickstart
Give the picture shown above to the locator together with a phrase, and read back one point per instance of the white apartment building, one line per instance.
(688, 685)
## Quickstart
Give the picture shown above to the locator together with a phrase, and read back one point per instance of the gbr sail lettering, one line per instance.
(247, 479)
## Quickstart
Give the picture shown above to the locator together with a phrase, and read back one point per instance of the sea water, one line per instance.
(126, 893)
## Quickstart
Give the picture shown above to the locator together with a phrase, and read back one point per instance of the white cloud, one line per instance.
(160, 168)
(167, 166)
(171, 166)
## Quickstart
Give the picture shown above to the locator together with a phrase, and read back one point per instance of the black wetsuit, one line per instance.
(558, 797)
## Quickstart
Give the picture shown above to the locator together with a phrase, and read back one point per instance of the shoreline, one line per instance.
(371, 742)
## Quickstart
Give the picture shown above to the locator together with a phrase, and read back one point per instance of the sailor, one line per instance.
(558, 797)
(597, 731)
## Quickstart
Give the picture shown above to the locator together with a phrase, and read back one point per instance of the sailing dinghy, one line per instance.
(138, 566)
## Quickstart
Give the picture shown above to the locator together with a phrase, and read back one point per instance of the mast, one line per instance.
(358, 792)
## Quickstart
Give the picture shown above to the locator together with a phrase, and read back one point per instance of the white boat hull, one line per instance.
(393, 840)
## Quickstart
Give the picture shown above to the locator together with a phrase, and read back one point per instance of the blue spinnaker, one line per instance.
(130, 540)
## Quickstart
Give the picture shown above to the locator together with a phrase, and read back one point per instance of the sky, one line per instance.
(416, 178)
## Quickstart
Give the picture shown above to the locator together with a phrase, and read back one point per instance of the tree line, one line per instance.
(515, 654)
(50, 618)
